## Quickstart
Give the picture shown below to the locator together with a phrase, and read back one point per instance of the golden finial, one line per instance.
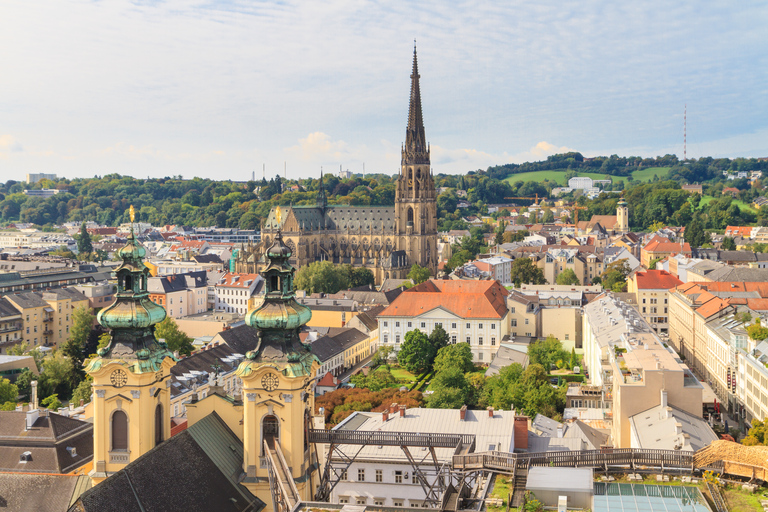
(133, 214)
(278, 216)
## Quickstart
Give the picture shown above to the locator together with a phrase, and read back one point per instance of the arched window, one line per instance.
(410, 216)
(128, 283)
(158, 424)
(119, 431)
(270, 429)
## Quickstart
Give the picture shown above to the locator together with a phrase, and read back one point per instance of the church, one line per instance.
(387, 240)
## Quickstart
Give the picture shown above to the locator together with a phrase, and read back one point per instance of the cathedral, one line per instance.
(387, 240)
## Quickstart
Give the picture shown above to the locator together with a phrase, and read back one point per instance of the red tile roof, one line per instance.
(742, 231)
(667, 247)
(328, 380)
(466, 299)
(237, 280)
(656, 280)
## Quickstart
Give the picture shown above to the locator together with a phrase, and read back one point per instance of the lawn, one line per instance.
(740, 501)
(402, 374)
(744, 206)
(558, 176)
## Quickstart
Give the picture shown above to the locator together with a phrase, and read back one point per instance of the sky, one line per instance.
(224, 89)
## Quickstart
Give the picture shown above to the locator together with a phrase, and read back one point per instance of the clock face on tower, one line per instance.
(270, 382)
(118, 378)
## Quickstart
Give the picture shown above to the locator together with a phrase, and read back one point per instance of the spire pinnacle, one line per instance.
(415, 139)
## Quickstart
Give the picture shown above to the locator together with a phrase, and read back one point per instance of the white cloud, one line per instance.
(320, 148)
(8, 144)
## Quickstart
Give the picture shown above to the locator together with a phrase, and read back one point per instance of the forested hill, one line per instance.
(203, 202)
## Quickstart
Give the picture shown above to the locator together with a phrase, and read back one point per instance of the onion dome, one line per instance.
(279, 315)
(133, 316)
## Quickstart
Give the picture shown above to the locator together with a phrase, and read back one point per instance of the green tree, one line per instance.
(176, 340)
(56, 376)
(418, 274)
(614, 276)
(321, 277)
(51, 402)
(84, 245)
(104, 340)
(381, 356)
(546, 352)
(438, 338)
(756, 331)
(451, 389)
(567, 277)
(83, 391)
(695, 234)
(525, 271)
(416, 353)
(728, 244)
(458, 356)
(8, 392)
(361, 276)
(376, 380)
(74, 348)
(756, 434)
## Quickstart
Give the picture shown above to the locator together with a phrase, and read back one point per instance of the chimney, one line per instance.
(34, 394)
(82, 402)
(663, 398)
(521, 432)
(392, 408)
(32, 418)
(402, 411)
(490, 412)
(463, 412)
(560, 431)
(678, 428)
(384, 416)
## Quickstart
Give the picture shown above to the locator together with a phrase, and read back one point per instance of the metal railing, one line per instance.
(377, 438)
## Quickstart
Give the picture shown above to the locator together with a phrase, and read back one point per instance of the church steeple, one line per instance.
(416, 150)
(322, 201)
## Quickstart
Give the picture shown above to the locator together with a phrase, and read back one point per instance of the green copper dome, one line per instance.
(278, 320)
(132, 317)
(280, 309)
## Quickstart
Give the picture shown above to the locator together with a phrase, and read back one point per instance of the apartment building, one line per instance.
(474, 312)
(652, 291)
(47, 316)
(180, 294)
(496, 267)
(623, 352)
(11, 326)
(661, 247)
(586, 265)
(235, 290)
(340, 350)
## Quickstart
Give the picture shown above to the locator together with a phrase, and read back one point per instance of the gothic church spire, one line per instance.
(416, 150)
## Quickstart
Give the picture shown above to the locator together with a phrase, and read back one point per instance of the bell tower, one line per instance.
(415, 194)
(131, 375)
(622, 216)
(278, 384)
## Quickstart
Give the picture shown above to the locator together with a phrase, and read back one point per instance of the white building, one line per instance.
(497, 267)
(473, 312)
(234, 290)
(383, 476)
(39, 176)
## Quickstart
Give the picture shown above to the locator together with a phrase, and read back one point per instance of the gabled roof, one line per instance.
(237, 280)
(463, 298)
(241, 338)
(336, 341)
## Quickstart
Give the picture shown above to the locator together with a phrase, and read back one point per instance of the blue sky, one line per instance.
(221, 89)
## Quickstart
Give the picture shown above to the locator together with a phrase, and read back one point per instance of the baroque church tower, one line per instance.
(415, 195)
(131, 375)
(278, 383)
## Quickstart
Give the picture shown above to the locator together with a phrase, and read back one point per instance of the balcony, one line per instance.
(48, 319)
(11, 328)
(47, 332)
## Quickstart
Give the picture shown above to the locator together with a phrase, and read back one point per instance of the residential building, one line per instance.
(167, 267)
(661, 247)
(100, 295)
(11, 326)
(693, 189)
(39, 176)
(64, 302)
(180, 294)
(234, 290)
(586, 265)
(11, 282)
(474, 312)
(327, 312)
(48, 316)
(652, 290)
(496, 267)
(340, 350)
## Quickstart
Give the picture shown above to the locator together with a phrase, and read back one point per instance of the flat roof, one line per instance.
(560, 479)
(616, 497)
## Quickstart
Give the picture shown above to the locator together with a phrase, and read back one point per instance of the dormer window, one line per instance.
(25, 457)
